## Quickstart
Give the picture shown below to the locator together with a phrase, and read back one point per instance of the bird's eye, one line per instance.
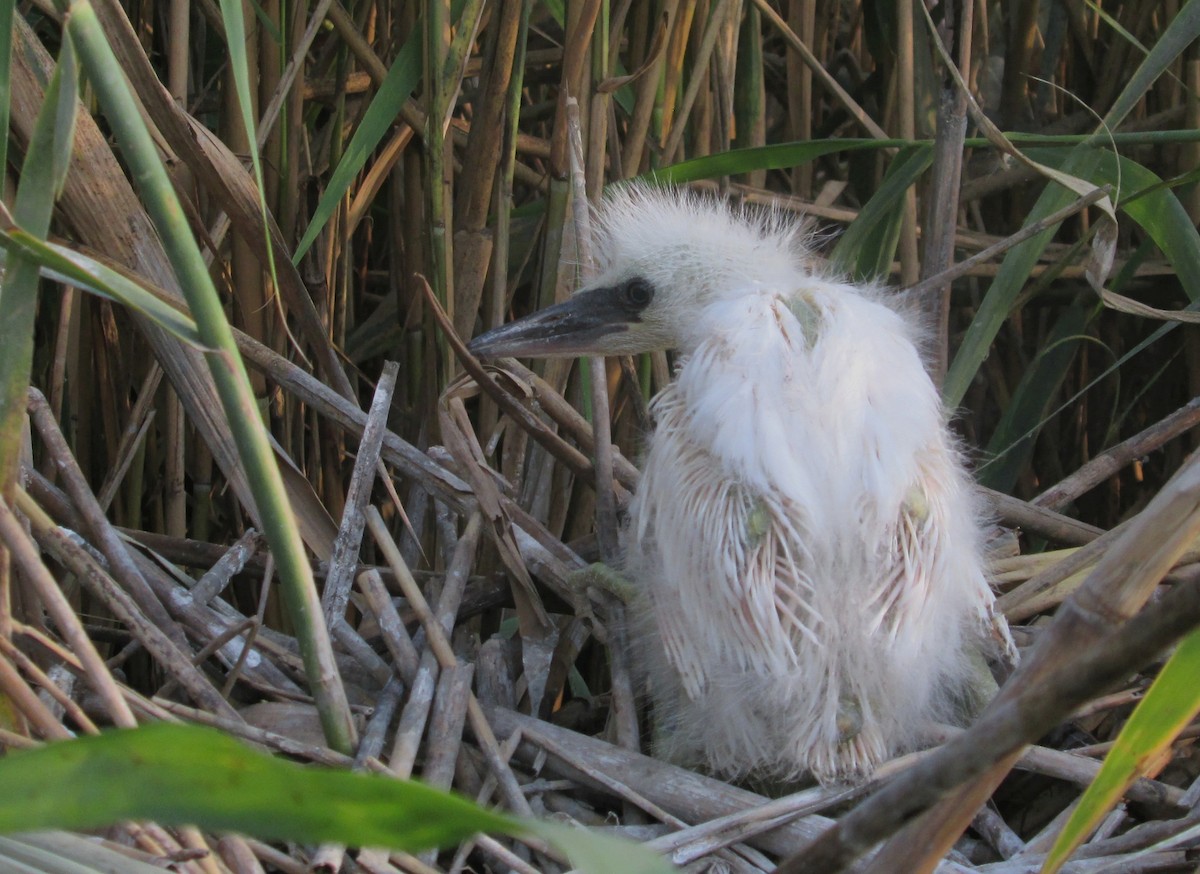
(639, 292)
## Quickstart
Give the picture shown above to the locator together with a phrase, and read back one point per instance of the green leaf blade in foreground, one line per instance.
(1170, 704)
(399, 83)
(184, 774)
(179, 774)
(65, 265)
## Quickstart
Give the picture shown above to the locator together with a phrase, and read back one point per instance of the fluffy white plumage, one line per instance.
(804, 532)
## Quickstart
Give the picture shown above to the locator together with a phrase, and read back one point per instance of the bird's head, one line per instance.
(664, 256)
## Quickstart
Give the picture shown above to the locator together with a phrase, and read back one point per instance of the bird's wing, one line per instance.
(932, 574)
(723, 548)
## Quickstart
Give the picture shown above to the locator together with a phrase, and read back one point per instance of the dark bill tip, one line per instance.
(578, 326)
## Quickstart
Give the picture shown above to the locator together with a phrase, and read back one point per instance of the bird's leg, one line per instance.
(979, 686)
(607, 579)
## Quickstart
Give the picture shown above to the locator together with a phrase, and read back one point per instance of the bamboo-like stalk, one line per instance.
(227, 370)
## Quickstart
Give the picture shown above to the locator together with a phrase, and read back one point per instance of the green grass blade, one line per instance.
(1146, 199)
(6, 29)
(235, 39)
(66, 265)
(1183, 30)
(1012, 442)
(227, 368)
(401, 79)
(1014, 271)
(42, 175)
(866, 250)
(777, 157)
(1159, 213)
(1170, 704)
(190, 775)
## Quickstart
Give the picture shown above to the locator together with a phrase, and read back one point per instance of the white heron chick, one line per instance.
(804, 537)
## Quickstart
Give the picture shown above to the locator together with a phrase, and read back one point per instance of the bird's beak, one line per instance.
(584, 325)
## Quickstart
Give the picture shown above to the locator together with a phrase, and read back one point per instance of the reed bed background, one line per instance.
(361, 526)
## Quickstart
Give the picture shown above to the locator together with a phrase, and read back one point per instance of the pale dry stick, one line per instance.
(1118, 863)
(606, 509)
(264, 593)
(348, 543)
(446, 730)
(276, 858)
(385, 706)
(416, 711)
(26, 557)
(511, 790)
(684, 794)
(905, 79)
(1071, 767)
(962, 268)
(209, 862)
(231, 562)
(17, 741)
(504, 856)
(44, 681)
(941, 220)
(616, 787)
(208, 649)
(1111, 460)
(110, 543)
(17, 691)
(1039, 520)
(430, 696)
(391, 626)
(822, 75)
(412, 865)
(413, 717)
(376, 866)
(238, 855)
(1013, 604)
(690, 843)
(483, 799)
(1114, 820)
(327, 859)
(209, 621)
(360, 651)
(997, 833)
(121, 604)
